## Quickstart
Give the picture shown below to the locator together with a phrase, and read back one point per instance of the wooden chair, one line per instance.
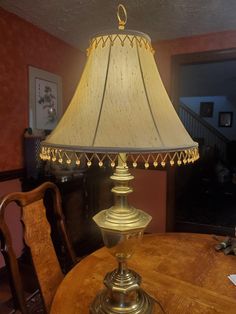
(37, 237)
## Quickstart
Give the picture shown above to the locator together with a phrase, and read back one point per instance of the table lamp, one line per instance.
(120, 114)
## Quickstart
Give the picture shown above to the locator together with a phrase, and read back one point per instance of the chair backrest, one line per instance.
(37, 236)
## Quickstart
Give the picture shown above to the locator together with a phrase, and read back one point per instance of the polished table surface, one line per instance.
(182, 271)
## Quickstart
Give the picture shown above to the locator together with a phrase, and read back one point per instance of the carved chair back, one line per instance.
(37, 236)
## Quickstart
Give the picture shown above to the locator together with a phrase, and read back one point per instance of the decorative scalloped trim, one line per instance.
(67, 157)
(102, 40)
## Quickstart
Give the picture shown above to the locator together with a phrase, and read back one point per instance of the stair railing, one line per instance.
(198, 128)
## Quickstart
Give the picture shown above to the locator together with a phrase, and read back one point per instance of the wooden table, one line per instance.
(182, 271)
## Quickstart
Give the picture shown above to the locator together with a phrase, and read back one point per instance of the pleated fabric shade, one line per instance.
(120, 105)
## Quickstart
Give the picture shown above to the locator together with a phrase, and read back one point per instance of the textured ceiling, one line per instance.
(74, 21)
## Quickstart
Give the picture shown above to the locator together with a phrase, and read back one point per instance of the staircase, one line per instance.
(204, 203)
(203, 132)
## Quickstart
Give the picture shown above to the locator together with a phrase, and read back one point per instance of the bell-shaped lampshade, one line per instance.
(120, 105)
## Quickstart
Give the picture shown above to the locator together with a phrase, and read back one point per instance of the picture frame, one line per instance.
(45, 99)
(206, 109)
(225, 119)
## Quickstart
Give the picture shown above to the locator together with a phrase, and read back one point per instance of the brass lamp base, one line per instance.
(122, 227)
(122, 295)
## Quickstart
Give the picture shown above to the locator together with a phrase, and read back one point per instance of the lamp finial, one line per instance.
(121, 11)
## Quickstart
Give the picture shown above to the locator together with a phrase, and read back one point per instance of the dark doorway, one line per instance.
(205, 193)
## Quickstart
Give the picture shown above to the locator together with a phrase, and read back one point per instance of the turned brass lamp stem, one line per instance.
(122, 159)
(121, 188)
(122, 227)
(122, 267)
(122, 217)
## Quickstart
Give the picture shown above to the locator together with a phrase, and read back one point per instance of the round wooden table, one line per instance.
(182, 271)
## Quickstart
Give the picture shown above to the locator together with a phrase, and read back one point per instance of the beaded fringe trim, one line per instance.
(132, 39)
(61, 156)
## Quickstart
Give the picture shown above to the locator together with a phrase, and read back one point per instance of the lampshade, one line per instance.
(120, 105)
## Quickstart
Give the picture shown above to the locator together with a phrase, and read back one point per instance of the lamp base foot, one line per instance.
(144, 305)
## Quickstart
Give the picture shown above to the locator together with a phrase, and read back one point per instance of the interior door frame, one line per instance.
(194, 58)
(176, 62)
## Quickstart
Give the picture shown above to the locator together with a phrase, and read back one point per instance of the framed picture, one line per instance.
(225, 119)
(206, 109)
(45, 99)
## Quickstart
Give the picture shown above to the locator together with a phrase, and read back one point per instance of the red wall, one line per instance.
(150, 195)
(23, 44)
(209, 42)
